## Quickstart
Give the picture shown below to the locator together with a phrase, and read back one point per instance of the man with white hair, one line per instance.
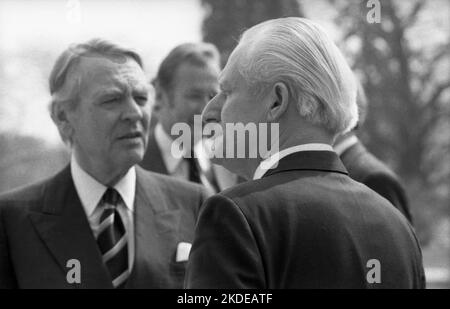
(300, 221)
(101, 222)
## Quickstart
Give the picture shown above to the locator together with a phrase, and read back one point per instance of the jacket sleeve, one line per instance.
(224, 253)
(7, 279)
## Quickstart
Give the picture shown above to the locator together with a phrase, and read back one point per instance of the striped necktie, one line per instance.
(112, 239)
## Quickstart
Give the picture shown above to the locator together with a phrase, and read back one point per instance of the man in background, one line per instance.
(364, 167)
(101, 222)
(185, 82)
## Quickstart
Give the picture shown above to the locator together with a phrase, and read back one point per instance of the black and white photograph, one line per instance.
(212, 146)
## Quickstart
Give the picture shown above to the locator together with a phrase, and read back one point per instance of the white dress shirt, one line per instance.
(273, 160)
(90, 192)
(177, 167)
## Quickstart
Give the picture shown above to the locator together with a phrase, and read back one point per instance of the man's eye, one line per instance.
(111, 100)
(141, 100)
(195, 96)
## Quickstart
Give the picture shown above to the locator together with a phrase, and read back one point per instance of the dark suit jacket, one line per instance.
(44, 225)
(305, 224)
(364, 167)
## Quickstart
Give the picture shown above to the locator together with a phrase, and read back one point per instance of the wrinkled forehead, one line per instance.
(103, 72)
(209, 71)
(231, 74)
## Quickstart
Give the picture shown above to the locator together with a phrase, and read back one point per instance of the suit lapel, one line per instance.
(326, 161)
(155, 227)
(63, 227)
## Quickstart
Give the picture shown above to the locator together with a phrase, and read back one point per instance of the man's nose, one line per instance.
(212, 110)
(133, 111)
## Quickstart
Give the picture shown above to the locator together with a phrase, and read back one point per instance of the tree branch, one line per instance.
(433, 101)
(412, 16)
(432, 64)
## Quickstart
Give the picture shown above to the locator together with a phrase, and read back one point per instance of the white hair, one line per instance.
(297, 52)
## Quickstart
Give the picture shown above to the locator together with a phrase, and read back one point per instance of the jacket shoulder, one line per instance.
(171, 185)
(29, 196)
(26, 193)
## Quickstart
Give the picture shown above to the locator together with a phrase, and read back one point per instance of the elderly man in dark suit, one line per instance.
(101, 222)
(364, 167)
(300, 221)
(186, 80)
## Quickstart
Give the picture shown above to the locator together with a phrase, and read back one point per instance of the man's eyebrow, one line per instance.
(106, 92)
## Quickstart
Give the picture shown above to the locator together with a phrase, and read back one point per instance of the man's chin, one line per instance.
(131, 157)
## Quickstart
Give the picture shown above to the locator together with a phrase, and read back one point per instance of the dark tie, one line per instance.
(195, 171)
(112, 239)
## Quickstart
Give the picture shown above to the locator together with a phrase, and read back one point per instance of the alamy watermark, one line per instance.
(74, 273)
(374, 14)
(374, 273)
(234, 140)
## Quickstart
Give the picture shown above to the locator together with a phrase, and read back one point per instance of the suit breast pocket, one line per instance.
(178, 267)
(177, 272)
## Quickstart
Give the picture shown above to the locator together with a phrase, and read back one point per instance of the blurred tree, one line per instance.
(227, 19)
(26, 159)
(404, 65)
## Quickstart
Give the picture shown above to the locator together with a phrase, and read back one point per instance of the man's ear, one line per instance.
(279, 101)
(161, 99)
(60, 117)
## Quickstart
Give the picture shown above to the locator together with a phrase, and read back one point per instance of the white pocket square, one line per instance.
(183, 250)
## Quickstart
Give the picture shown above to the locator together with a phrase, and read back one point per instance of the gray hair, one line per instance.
(68, 61)
(299, 53)
(199, 54)
(361, 101)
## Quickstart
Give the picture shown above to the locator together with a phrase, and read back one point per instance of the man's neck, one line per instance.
(303, 133)
(344, 142)
(288, 140)
(343, 137)
(100, 172)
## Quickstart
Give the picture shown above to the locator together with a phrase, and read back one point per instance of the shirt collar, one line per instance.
(165, 146)
(272, 161)
(345, 144)
(165, 143)
(90, 191)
